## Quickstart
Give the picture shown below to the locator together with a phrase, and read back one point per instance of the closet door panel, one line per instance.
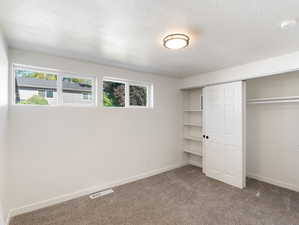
(233, 167)
(213, 162)
(223, 149)
(213, 126)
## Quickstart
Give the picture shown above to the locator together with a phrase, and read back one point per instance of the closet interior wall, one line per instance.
(272, 130)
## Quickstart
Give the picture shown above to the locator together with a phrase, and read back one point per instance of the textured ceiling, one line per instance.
(129, 33)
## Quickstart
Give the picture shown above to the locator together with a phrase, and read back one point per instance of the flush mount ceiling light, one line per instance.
(176, 41)
(288, 24)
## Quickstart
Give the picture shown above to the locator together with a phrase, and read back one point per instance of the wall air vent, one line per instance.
(101, 193)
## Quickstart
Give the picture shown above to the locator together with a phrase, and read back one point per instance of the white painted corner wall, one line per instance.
(3, 130)
(57, 153)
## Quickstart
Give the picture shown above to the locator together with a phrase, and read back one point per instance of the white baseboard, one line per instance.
(197, 164)
(8, 220)
(4, 219)
(87, 191)
(195, 161)
(274, 182)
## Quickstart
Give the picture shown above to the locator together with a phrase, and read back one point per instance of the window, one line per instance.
(37, 87)
(77, 90)
(113, 94)
(30, 87)
(138, 95)
(120, 93)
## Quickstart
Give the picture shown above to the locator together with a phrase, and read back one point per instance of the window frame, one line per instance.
(128, 83)
(60, 75)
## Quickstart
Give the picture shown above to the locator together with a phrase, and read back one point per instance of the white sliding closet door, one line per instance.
(224, 138)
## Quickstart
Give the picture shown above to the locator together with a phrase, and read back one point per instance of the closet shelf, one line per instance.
(193, 124)
(192, 152)
(286, 99)
(192, 138)
(193, 109)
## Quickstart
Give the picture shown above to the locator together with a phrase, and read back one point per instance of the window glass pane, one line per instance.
(50, 94)
(31, 87)
(86, 96)
(113, 94)
(138, 95)
(73, 90)
(41, 93)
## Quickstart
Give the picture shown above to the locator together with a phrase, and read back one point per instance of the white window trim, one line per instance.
(60, 75)
(35, 69)
(128, 83)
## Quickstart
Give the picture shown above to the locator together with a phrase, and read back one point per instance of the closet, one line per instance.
(217, 132)
(272, 129)
(214, 137)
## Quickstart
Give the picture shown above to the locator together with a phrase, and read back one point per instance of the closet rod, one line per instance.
(272, 102)
(285, 99)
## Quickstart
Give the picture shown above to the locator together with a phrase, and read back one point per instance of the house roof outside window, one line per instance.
(25, 82)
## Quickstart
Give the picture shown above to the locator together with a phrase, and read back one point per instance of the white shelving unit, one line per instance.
(192, 138)
(192, 125)
(192, 152)
(193, 110)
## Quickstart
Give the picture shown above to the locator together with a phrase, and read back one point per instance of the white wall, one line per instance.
(272, 131)
(275, 65)
(56, 151)
(3, 129)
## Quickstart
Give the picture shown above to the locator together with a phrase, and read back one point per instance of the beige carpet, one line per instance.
(180, 197)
